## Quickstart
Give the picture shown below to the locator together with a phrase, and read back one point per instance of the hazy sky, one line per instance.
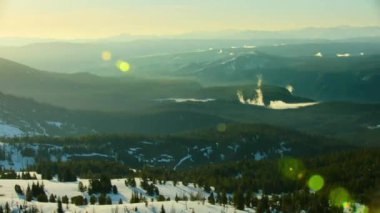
(101, 18)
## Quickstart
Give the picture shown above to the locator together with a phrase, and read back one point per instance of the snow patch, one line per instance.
(259, 156)
(249, 47)
(55, 123)
(187, 157)
(184, 100)
(343, 55)
(258, 100)
(71, 189)
(281, 105)
(89, 155)
(234, 148)
(147, 142)
(207, 151)
(290, 88)
(374, 127)
(7, 130)
(318, 54)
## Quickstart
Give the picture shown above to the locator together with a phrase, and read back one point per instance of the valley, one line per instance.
(191, 125)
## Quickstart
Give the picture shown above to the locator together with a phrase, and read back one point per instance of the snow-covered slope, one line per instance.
(168, 190)
(7, 130)
(20, 156)
(25, 117)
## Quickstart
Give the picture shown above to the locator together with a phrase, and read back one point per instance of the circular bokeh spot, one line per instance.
(339, 197)
(123, 66)
(291, 168)
(316, 182)
(364, 209)
(222, 127)
(106, 56)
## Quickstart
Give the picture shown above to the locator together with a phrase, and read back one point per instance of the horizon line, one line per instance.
(152, 35)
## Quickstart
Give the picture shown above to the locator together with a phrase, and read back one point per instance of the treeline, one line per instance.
(11, 174)
(356, 171)
(249, 137)
(68, 171)
(238, 183)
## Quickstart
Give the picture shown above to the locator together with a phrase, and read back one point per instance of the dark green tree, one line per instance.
(93, 200)
(51, 198)
(59, 206)
(238, 199)
(162, 209)
(211, 198)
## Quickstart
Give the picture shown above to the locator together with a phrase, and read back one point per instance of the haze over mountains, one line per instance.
(190, 106)
(185, 85)
(305, 34)
(324, 87)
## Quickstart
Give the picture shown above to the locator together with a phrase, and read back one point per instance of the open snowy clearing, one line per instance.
(70, 189)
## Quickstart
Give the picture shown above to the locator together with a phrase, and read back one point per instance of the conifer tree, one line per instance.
(211, 198)
(238, 200)
(59, 206)
(162, 209)
(7, 208)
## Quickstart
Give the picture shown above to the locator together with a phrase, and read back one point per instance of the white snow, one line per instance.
(258, 100)
(282, 149)
(249, 46)
(374, 127)
(259, 156)
(234, 147)
(132, 151)
(7, 130)
(222, 156)
(147, 142)
(290, 88)
(207, 151)
(183, 100)
(89, 155)
(15, 159)
(70, 189)
(55, 123)
(164, 158)
(187, 157)
(343, 55)
(42, 129)
(280, 105)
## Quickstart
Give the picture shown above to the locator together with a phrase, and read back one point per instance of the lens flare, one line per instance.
(291, 168)
(363, 209)
(339, 196)
(106, 56)
(123, 66)
(316, 183)
(222, 127)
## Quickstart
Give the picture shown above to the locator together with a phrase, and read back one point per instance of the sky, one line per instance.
(103, 18)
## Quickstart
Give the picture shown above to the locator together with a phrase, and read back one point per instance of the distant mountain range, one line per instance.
(344, 71)
(311, 33)
(161, 106)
